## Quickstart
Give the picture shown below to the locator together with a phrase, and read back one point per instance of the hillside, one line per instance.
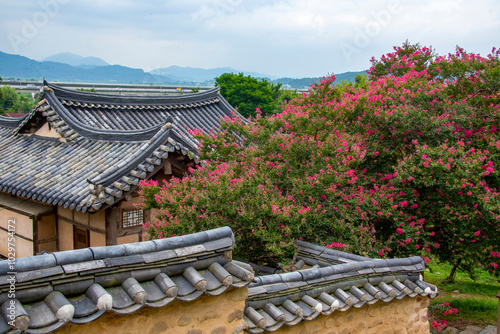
(21, 67)
(74, 68)
(76, 60)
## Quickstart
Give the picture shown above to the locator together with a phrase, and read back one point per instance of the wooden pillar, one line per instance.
(35, 235)
(111, 225)
(56, 217)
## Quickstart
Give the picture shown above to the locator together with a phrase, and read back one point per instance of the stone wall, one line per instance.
(207, 315)
(405, 316)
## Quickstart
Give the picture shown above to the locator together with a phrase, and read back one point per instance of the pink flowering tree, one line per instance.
(403, 163)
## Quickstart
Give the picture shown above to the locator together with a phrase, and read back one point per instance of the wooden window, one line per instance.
(81, 238)
(132, 218)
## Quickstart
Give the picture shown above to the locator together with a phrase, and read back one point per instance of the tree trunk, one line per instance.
(451, 276)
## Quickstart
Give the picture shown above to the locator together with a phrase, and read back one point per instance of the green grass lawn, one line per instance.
(475, 299)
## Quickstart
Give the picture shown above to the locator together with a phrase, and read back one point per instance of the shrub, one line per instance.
(402, 164)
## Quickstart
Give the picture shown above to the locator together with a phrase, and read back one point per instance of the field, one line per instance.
(475, 300)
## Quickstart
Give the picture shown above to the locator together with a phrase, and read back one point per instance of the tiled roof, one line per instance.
(78, 286)
(109, 143)
(336, 281)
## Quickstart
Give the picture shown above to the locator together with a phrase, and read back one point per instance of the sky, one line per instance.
(287, 38)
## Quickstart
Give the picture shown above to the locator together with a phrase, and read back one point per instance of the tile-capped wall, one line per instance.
(408, 315)
(207, 315)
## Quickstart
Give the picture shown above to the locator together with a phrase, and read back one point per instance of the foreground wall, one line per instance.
(223, 314)
(206, 315)
(408, 315)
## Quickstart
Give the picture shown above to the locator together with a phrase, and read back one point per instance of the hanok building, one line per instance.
(69, 169)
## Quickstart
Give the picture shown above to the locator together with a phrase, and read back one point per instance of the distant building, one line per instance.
(69, 169)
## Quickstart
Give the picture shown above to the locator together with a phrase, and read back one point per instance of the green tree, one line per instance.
(12, 101)
(2, 111)
(10, 98)
(247, 93)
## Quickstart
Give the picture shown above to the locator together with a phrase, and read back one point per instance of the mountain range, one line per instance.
(70, 67)
(76, 60)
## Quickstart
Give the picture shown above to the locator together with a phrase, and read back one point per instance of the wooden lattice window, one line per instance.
(81, 238)
(132, 218)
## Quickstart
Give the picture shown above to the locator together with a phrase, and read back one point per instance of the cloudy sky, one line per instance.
(296, 38)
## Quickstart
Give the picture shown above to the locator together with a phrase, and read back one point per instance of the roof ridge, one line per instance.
(390, 266)
(322, 250)
(95, 133)
(131, 99)
(75, 256)
(139, 156)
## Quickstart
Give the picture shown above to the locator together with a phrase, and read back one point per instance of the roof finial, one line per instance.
(168, 123)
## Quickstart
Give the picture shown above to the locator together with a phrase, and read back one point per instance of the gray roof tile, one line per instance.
(112, 280)
(340, 282)
(107, 139)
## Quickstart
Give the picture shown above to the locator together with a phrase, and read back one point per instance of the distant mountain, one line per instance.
(190, 74)
(14, 66)
(76, 60)
(21, 67)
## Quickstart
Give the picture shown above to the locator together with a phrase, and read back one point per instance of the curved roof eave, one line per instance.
(64, 93)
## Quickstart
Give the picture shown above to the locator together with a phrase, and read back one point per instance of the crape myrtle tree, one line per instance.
(401, 163)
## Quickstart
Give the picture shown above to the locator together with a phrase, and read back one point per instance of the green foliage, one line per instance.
(12, 101)
(91, 90)
(246, 93)
(474, 299)
(402, 163)
(2, 111)
(10, 98)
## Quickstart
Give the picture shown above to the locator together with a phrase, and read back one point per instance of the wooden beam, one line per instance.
(56, 218)
(126, 232)
(111, 225)
(77, 224)
(35, 236)
(168, 168)
(177, 164)
(42, 241)
(17, 235)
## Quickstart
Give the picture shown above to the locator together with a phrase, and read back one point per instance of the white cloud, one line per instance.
(284, 37)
